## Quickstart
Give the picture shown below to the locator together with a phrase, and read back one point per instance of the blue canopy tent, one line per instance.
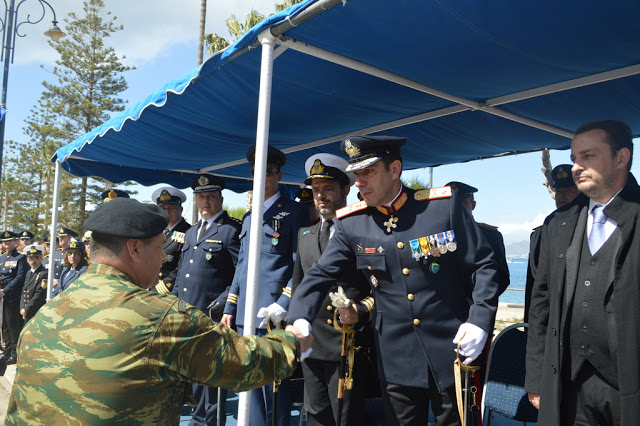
(462, 79)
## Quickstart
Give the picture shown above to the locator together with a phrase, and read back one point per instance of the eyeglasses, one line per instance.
(74, 253)
(270, 171)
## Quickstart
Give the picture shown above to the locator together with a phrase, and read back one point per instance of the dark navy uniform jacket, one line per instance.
(13, 269)
(327, 340)
(419, 304)
(34, 292)
(276, 261)
(207, 264)
(173, 248)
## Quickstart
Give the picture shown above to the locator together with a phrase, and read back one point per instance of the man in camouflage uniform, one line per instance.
(116, 353)
(170, 200)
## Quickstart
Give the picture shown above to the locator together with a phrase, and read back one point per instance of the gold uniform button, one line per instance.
(329, 307)
(369, 267)
(400, 245)
(329, 322)
(416, 321)
(405, 271)
(410, 296)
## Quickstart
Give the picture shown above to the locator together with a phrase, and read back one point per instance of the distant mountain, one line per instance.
(518, 249)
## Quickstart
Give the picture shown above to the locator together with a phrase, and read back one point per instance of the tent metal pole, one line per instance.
(257, 205)
(407, 82)
(54, 225)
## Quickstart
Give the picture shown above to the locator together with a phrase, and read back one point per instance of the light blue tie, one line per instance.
(596, 237)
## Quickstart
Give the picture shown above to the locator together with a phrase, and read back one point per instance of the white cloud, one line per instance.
(150, 26)
(514, 232)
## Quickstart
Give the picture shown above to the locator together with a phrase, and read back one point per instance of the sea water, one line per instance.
(518, 273)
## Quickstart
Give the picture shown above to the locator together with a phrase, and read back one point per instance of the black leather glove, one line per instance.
(216, 309)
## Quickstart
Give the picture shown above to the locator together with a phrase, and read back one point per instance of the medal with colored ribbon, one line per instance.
(451, 237)
(276, 234)
(425, 248)
(442, 245)
(433, 246)
(415, 249)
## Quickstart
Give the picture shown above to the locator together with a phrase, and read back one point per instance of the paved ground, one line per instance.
(506, 313)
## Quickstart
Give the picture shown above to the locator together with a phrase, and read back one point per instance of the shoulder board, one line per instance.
(484, 225)
(355, 207)
(433, 193)
(236, 220)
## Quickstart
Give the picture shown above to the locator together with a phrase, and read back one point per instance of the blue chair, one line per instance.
(504, 392)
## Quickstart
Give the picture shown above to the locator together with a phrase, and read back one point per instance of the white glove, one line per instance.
(472, 339)
(305, 328)
(273, 312)
(339, 299)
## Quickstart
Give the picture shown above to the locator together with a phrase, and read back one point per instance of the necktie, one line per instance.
(203, 228)
(596, 237)
(166, 232)
(325, 232)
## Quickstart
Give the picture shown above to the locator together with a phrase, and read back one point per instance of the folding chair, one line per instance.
(504, 383)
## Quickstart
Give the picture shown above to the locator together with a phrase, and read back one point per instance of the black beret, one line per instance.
(207, 183)
(364, 151)
(274, 156)
(76, 245)
(110, 194)
(562, 177)
(8, 236)
(63, 231)
(462, 189)
(127, 218)
(26, 234)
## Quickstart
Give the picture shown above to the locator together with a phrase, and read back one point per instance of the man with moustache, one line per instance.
(330, 185)
(107, 351)
(417, 250)
(584, 332)
(170, 200)
(206, 268)
(565, 192)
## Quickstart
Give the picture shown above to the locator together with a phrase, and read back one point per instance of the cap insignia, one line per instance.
(317, 168)
(351, 149)
(203, 180)
(6, 235)
(73, 243)
(305, 193)
(112, 194)
(33, 250)
(165, 196)
(562, 174)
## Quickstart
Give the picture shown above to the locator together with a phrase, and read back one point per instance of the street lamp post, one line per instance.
(10, 29)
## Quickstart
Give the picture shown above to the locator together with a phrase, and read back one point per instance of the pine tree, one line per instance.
(89, 81)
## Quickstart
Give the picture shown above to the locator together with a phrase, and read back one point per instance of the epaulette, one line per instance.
(491, 227)
(355, 207)
(235, 219)
(432, 193)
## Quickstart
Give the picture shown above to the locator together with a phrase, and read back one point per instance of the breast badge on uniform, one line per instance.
(178, 237)
(391, 223)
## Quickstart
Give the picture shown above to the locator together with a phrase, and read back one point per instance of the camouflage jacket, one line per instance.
(106, 351)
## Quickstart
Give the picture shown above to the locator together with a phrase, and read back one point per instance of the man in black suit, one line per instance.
(170, 200)
(330, 186)
(34, 292)
(417, 250)
(584, 331)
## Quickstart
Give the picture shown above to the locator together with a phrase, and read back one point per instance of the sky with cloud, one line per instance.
(160, 40)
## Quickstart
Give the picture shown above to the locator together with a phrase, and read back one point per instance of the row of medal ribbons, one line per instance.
(433, 245)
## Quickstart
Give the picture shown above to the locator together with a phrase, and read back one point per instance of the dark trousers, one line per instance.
(12, 326)
(590, 400)
(321, 395)
(261, 406)
(206, 410)
(406, 405)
